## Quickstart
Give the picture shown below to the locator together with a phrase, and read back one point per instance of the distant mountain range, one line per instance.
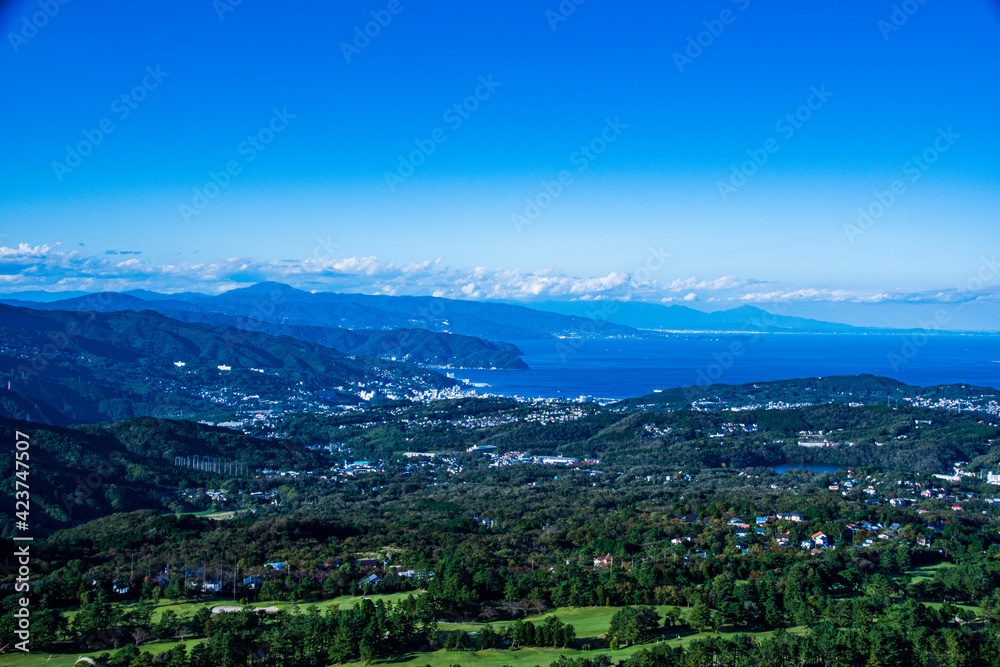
(280, 304)
(411, 346)
(66, 367)
(274, 303)
(681, 318)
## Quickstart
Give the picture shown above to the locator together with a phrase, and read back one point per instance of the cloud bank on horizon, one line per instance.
(53, 269)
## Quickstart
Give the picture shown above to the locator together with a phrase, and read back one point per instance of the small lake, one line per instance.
(814, 467)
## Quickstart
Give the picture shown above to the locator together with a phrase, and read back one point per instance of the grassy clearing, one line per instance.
(525, 657)
(588, 622)
(349, 602)
(937, 605)
(43, 659)
(186, 608)
(925, 573)
(529, 657)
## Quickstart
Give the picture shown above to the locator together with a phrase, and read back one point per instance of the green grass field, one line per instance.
(590, 623)
(182, 608)
(185, 608)
(967, 607)
(68, 660)
(349, 602)
(925, 573)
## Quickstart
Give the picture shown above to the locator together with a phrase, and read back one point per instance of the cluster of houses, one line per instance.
(373, 579)
(881, 531)
(556, 460)
(549, 412)
(197, 577)
(518, 458)
(746, 532)
(269, 496)
(654, 431)
(544, 411)
(743, 527)
(872, 496)
(505, 459)
(353, 468)
(714, 404)
(988, 404)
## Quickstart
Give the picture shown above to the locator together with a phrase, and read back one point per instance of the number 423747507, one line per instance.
(22, 468)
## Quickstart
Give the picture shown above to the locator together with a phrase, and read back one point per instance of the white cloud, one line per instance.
(49, 267)
(827, 295)
(25, 251)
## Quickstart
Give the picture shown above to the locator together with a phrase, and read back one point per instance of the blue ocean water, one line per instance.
(622, 368)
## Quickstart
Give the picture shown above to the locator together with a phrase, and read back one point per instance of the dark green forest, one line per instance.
(699, 538)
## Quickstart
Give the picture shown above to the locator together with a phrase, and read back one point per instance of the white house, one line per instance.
(603, 562)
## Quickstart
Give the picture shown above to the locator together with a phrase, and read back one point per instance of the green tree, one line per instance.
(487, 638)
(568, 635)
(634, 624)
(700, 617)
(169, 622)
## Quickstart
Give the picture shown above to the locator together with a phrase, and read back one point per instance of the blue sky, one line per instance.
(652, 210)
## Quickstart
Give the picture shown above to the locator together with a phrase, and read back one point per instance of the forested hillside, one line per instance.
(413, 346)
(82, 473)
(86, 367)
